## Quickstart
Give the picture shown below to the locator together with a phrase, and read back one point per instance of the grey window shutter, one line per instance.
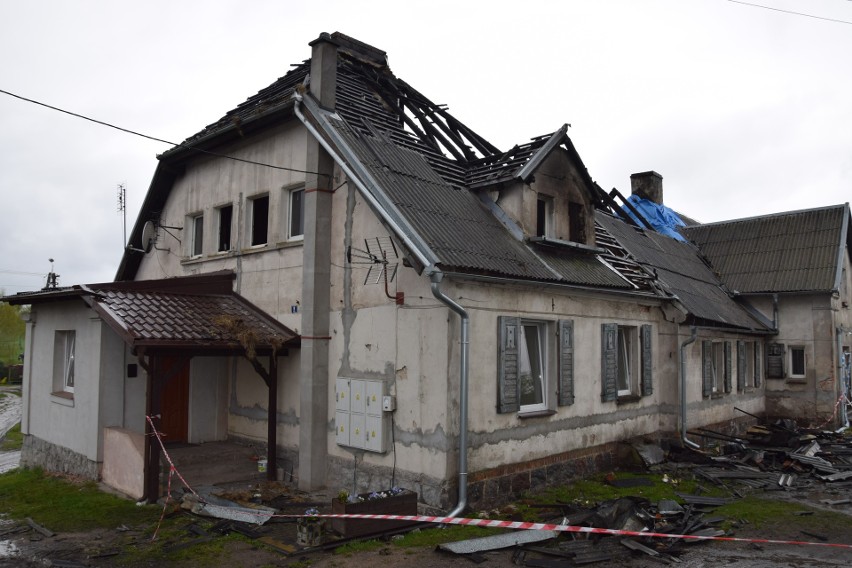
(609, 362)
(758, 363)
(566, 362)
(509, 334)
(741, 365)
(728, 367)
(647, 362)
(706, 368)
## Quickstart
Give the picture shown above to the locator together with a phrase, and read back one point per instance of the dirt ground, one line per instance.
(97, 548)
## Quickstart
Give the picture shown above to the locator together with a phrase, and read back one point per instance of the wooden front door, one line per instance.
(174, 405)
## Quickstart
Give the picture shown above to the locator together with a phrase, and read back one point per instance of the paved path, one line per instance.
(10, 414)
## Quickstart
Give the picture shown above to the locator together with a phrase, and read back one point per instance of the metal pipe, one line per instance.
(463, 388)
(686, 442)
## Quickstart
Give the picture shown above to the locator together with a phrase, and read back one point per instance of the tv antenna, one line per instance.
(381, 256)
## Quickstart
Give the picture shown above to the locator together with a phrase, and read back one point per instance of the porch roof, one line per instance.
(200, 313)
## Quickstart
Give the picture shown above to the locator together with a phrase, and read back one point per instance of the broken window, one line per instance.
(717, 369)
(626, 364)
(226, 215)
(576, 222)
(525, 364)
(63, 361)
(259, 220)
(797, 362)
(297, 214)
(544, 216)
(196, 244)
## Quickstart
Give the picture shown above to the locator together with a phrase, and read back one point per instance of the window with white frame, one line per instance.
(544, 216)
(533, 361)
(797, 366)
(717, 371)
(532, 365)
(63, 361)
(226, 217)
(258, 220)
(196, 241)
(626, 361)
(296, 209)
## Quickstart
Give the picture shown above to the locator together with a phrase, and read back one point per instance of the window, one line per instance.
(717, 369)
(626, 362)
(297, 214)
(797, 362)
(226, 215)
(259, 222)
(532, 367)
(196, 241)
(576, 222)
(63, 361)
(532, 361)
(544, 216)
(748, 365)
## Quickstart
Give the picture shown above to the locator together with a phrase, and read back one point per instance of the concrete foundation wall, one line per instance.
(53, 457)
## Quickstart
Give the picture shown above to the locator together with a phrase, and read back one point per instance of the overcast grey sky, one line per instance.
(743, 110)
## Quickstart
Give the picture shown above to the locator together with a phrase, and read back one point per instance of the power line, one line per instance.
(21, 273)
(791, 12)
(176, 145)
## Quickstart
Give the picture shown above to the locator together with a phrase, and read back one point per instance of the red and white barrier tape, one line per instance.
(565, 528)
(491, 523)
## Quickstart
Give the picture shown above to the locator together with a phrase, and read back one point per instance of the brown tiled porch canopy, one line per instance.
(201, 314)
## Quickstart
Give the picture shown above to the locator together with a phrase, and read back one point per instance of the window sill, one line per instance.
(628, 398)
(536, 414)
(797, 380)
(63, 398)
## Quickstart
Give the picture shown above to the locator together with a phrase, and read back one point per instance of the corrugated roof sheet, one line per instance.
(681, 270)
(797, 251)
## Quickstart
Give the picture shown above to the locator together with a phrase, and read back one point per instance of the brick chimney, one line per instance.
(647, 185)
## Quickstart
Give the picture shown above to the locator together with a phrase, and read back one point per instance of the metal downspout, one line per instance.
(463, 384)
(841, 375)
(686, 442)
(436, 276)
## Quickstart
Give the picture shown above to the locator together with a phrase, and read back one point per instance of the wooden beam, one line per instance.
(272, 420)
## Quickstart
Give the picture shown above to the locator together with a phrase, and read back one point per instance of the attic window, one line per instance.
(544, 216)
(576, 222)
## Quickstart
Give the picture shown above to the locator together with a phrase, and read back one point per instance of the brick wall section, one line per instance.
(497, 486)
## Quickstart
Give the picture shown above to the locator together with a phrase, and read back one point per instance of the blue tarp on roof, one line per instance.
(662, 219)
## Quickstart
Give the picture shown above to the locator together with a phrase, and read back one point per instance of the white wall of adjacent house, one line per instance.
(72, 416)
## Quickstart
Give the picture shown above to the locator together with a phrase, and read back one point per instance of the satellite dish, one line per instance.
(149, 235)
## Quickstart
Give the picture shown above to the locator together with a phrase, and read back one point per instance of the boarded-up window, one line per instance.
(775, 361)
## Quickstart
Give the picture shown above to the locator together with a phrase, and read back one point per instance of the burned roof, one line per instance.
(797, 251)
(425, 166)
(681, 270)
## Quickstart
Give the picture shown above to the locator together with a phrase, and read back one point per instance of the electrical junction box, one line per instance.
(359, 419)
(388, 403)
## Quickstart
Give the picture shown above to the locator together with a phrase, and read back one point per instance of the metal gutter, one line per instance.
(686, 441)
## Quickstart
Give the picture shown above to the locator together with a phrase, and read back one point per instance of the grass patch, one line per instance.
(13, 440)
(762, 513)
(65, 505)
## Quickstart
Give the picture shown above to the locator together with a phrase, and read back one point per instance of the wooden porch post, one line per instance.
(272, 419)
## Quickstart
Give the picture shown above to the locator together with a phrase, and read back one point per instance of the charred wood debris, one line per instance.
(769, 457)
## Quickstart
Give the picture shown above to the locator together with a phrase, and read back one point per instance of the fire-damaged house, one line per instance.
(340, 270)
